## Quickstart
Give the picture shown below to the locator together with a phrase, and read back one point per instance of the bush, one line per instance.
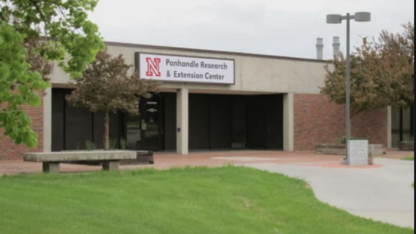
(123, 144)
(113, 144)
(343, 140)
(90, 145)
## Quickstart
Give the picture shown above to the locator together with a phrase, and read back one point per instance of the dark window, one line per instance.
(170, 121)
(274, 117)
(215, 122)
(256, 122)
(58, 111)
(220, 122)
(73, 126)
(78, 127)
(238, 122)
(198, 121)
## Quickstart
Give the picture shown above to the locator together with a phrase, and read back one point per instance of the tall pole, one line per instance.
(337, 19)
(347, 93)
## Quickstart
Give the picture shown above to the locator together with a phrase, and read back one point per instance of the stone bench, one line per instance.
(142, 158)
(338, 149)
(406, 145)
(108, 158)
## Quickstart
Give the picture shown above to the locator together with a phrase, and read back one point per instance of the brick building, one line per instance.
(212, 100)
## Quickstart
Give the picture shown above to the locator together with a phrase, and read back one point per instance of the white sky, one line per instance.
(277, 27)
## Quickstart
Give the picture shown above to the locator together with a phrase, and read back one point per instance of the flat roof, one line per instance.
(212, 51)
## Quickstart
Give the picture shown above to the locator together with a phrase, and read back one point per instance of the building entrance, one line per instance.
(145, 131)
(219, 122)
(216, 122)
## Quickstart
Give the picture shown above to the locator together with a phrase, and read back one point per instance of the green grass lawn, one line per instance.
(410, 158)
(177, 201)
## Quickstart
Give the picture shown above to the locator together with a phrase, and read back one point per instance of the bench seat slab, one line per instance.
(71, 156)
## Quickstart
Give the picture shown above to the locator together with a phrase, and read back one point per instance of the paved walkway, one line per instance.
(382, 191)
(210, 159)
(168, 160)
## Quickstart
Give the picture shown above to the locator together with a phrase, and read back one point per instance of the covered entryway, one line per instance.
(218, 122)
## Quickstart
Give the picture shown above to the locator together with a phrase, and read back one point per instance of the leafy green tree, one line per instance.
(382, 73)
(33, 32)
(107, 85)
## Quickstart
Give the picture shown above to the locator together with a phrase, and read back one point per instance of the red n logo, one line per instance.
(153, 67)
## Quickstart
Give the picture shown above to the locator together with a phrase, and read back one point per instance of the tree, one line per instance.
(397, 63)
(37, 63)
(382, 73)
(33, 32)
(106, 85)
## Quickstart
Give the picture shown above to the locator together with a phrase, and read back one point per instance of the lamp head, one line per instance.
(362, 16)
(333, 19)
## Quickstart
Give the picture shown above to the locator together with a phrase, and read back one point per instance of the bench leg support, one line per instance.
(49, 167)
(110, 166)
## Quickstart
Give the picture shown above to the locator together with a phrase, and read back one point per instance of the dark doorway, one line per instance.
(155, 128)
(151, 113)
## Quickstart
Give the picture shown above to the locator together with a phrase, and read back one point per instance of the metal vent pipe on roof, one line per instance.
(335, 45)
(319, 48)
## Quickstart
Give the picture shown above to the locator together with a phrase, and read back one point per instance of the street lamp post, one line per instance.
(337, 19)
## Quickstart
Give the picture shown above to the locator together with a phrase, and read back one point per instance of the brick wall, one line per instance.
(9, 150)
(319, 121)
(372, 124)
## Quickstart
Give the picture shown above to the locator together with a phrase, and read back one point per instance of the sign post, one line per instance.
(358, 152)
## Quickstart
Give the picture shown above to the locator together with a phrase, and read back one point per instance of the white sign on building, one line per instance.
(358, 152)
(174, 68)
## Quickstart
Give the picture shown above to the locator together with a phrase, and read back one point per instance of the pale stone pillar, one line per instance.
(47, 120)
(288, 122)
(182, 97)
(389, 141)
(50, 167)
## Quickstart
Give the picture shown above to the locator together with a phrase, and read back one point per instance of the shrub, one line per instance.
(123, 144)
(90, 145)
(343, 140)
(113, 143)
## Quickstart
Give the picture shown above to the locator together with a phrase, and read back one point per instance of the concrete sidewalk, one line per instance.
(382, 193)
(210, 159)
(169, 160)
